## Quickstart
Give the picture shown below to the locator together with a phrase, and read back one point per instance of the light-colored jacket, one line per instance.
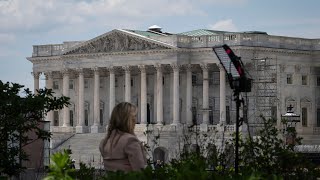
(122, 151)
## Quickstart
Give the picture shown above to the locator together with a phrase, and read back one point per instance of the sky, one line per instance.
(24, 23)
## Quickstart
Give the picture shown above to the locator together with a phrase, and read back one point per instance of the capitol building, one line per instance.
(178, 85)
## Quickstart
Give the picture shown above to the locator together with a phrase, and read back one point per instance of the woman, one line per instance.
(121, 149)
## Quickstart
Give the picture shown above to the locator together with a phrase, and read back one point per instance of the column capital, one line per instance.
(95, 69)
(220, 67)
(48, 75)
(204, 66)
(36, 74)
(79, 70)
(142, 68)
(65, 71)
(188, 67)
(111, 69)
(126, 68)
(158, 67)
(175, 67)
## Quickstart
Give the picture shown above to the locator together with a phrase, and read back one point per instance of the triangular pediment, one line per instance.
(118, 41)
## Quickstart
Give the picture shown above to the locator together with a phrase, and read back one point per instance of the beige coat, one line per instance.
(122, 151)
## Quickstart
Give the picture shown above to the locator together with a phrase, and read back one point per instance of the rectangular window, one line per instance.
(115, 82)
(131, 82)
(55, 118)
(304, 80)
(101, 117)
(194, 115)
(162, 80)
(304, 113)
(318, 81)
(86, 117)
(228, 114)
(71, 118)
(55, 84)
(101, 83)
(211, 115)
(289, 78)
(194, 79)
(71, 84)
(318, 117)
(274, 112)
(86, 83)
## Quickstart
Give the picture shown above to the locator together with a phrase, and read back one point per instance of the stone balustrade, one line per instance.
(183, 41)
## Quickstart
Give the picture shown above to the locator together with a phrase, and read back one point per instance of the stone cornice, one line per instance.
(179, 50)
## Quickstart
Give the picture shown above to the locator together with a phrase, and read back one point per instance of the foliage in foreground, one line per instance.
(267, 157)
(20, 116)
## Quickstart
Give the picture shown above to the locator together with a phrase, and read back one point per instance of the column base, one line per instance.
(62, 129)
(204, 127)
(140, 127)
(95, 129)
(82, 129)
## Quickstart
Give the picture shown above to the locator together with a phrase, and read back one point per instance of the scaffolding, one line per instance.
(264, 89)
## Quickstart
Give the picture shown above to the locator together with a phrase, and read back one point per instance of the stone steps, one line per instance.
(85, 149)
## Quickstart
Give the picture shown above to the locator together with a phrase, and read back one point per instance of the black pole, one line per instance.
(238, 104)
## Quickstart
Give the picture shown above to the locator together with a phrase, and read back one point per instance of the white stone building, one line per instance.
(176, 82)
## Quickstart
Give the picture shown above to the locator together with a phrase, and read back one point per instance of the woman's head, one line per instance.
(123, 118)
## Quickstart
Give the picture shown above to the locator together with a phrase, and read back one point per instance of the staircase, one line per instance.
(85, 149)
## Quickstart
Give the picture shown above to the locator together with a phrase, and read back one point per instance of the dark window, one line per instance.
(274, 112)
(131, 82)
(101, 117)
(304, 80)
(101, 83)
(55, 84)
(194, 115)
(304, 116)
(228, 114)
(86, 117)
(86, 83)
(289, 78)
(71, 118)
(211, 115)
(318, 117)
(194, 79)
(71, 84)
(55, 118)
(116, 82)
(318, 81)
(162, 80)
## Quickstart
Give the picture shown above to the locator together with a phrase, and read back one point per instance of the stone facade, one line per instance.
(178, 85)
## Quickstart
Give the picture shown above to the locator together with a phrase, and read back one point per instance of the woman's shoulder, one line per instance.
(129, 136)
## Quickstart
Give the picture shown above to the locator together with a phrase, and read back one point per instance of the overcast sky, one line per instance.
(24, 23)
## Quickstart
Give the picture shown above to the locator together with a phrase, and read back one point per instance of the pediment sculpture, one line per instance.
(115, 42)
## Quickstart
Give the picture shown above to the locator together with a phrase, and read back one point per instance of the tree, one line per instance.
(18, 116)
(271, 156)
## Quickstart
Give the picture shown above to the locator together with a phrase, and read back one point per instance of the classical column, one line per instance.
(81, 124)
(112, 95)
(143, 94)
(49, 85)
(96, 101)
(176, 104)
(127, 94)
(159, 94)
(205, 94)
(65, 92)
(222, 95)
(189, 95)
(36, 76)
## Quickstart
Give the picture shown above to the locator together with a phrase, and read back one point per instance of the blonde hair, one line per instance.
(121, 119)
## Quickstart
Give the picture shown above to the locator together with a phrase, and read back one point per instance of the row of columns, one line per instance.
(143, 100)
